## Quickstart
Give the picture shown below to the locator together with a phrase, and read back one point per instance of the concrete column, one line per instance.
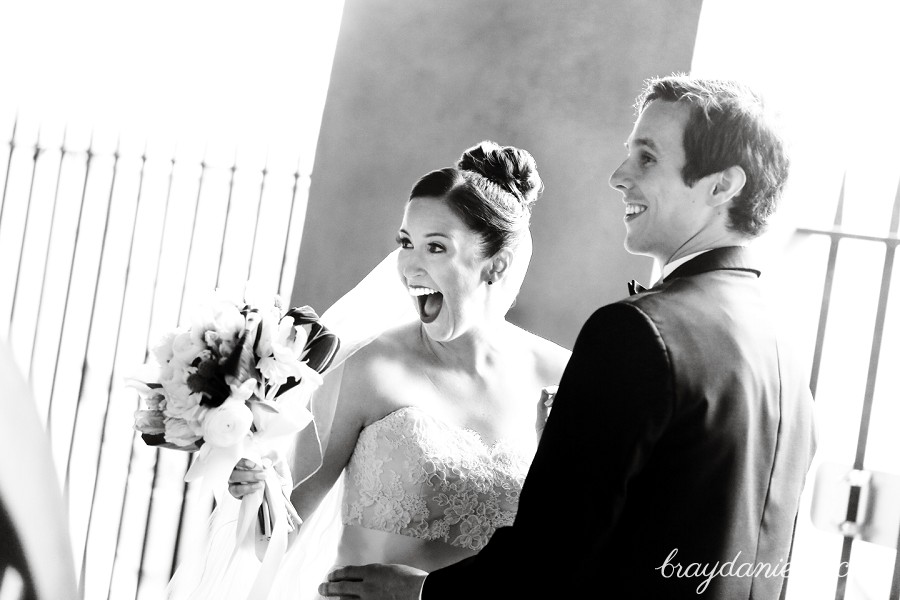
(415, 82)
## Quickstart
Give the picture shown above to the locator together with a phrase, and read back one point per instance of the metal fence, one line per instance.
(105, 245)
(854, 380)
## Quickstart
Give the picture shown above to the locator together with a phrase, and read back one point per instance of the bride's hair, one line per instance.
(492, 189)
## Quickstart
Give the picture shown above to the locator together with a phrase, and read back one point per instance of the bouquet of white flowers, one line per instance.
(240, 376)
(232, 363)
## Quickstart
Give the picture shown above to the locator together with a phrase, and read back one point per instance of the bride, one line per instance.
(434, 424)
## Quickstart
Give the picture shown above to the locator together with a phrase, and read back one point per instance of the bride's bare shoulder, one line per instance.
(383, 375)
(550, 358)
(395, 344)
(392, 355)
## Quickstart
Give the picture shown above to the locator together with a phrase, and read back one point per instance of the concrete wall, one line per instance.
(416, 82)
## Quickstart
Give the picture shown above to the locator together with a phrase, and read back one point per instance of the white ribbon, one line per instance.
(213, 465)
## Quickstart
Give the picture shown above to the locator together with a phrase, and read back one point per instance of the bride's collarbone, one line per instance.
(493, 402)
(459, 387)
(492, 411)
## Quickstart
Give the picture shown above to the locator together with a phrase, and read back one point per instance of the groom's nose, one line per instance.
(620, 180)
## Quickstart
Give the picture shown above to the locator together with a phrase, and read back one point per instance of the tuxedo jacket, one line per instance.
(675, 454)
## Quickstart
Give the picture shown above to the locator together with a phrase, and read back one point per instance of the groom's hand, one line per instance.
(374, 582)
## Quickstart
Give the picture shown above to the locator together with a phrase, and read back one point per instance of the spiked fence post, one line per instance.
(62, 328)
(12, 148)
(34, 161)
(40, 307)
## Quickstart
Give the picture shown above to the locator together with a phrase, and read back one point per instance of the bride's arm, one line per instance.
(351, 413)
(339, 421)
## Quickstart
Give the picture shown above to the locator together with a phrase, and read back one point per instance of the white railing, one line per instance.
(106, 244)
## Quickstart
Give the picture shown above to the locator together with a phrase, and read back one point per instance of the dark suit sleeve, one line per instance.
(614, 403)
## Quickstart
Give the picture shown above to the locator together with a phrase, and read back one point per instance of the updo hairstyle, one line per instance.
(492, 189)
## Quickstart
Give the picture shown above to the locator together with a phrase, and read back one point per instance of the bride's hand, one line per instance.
(246, 478)
(543, 408)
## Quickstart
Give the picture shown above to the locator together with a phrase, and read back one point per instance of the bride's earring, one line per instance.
(490, 282)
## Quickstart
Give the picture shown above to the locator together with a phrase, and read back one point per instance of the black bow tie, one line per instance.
(635, 288)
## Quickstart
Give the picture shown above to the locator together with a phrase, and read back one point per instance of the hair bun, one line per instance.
(513, 169)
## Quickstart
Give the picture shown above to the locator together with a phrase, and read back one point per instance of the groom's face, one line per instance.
(662, 213)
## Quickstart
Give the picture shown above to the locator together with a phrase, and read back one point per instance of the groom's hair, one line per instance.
(727, 127)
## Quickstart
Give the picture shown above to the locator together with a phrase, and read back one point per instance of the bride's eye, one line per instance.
(435, 248)
(403, 242)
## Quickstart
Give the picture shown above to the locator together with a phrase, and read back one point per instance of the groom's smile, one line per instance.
(633, 210)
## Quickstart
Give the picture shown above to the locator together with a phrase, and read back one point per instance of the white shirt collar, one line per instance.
(670, 267)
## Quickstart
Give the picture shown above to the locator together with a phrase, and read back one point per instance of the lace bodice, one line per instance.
(414, 475)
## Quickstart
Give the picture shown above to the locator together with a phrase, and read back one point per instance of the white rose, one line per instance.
(228, 424)
(149, 421)
(179, 396)
(178, 432)
(194, 419)
(220, 316)
(185, 348)
(163, 349)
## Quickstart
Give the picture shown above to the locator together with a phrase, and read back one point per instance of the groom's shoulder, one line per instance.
(625, 319)
(647, 314)
(622, 337)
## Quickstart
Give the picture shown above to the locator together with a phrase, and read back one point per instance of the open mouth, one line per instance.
(632, 211)
(428, 302)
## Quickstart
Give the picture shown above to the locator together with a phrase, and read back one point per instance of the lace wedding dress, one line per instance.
(420, 492)
(437, 485)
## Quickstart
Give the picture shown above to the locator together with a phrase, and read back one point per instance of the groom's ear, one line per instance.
(725, 185)
(499, 264)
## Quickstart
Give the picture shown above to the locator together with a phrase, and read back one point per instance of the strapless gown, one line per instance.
(416, 491)
(424, 493)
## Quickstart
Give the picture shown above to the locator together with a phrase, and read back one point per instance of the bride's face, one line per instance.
(440, 263)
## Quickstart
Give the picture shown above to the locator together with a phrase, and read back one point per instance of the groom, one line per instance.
(672, 463)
